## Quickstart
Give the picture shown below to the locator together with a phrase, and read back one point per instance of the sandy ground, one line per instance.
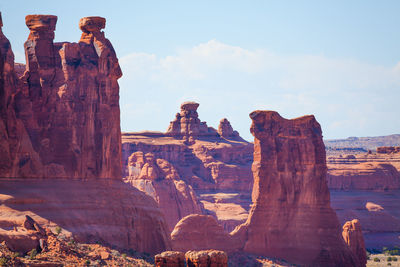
(383, 261)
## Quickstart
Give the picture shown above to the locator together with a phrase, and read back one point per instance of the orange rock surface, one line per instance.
(352, 235)
(59, 122)
(170, 259)
(206, 258)
(159, 179)
(199, 232)
(207, 162)
(290, 195)
(62, 114)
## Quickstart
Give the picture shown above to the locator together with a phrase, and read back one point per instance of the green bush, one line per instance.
(389, 264)
(394, 259)
(389, 259)
(377, 260)
(3, 261)
(58, 230)
(87, 262)
(32, 254)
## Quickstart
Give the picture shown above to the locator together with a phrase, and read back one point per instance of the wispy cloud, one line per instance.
(348, 97)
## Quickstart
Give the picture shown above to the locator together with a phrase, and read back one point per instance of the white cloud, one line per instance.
(346, 95)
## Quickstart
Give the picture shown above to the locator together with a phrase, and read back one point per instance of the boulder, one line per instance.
(206, 258)
(199, 232)
(170, 259)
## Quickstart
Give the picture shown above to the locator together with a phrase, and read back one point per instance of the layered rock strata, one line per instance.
(208, 162)
(160, 180)
(290, 195)
(67, 101)
(199, 232)
(352, 235)
(60, 119)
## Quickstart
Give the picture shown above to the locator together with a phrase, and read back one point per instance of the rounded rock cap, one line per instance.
(189, 105)
(41, 22)
(92, 24)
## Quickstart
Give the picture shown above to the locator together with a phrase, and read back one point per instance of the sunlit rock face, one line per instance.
(352, 235)
(291, 217)
(60, 134)
(62, 114)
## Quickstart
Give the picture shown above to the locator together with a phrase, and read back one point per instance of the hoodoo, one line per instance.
(291, 217)
(60, 119)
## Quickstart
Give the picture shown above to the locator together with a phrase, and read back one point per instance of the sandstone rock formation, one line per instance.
(170, 259)
(290, 195)
(363, 176)
(187, 125)
(60, 119)
(225, 129)
(67, 101)
(206, 258)
(208, 161)
(352, 235)
(199, 232)
(106, 211)
(160, 180)
(388, 149)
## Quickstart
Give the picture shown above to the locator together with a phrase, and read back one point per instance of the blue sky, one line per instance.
(338, 60)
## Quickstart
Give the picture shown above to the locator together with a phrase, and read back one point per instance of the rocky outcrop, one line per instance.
(170, 259)
(225, 129)
(198, 232)
(290, 195)
(352, 235)
(206, 258)
(104, 210)
(187, 125)
(160, 180)
(63, 113)
(60, 119)
(388, 149)
(24, 237)
(363, 176)
(207, 162)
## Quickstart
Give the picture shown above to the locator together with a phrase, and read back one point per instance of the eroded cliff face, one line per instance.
(201, 156)
(60, 119)
(291, 217)
(67, 101)
(160, 180)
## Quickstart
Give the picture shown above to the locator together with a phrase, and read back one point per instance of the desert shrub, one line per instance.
(389, 259)
(123, 255)
(58, 230)
(389, 264)
(32, 254)
(3, 261)
(394, 259)
(377, 260)
(87, 262)
(15, 255)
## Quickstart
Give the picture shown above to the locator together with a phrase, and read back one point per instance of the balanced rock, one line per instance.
(291, 217)
(187, 125)
(352, 235)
